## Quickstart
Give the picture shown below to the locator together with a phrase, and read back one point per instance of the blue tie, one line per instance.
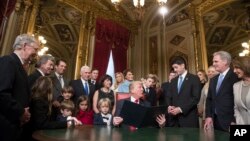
(86, 88)
(180, 83)
(220, 79)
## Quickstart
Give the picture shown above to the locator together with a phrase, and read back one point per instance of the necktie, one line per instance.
(220, 79)
(180, 83)
(61, 80)
(86, 88)
(137, 101)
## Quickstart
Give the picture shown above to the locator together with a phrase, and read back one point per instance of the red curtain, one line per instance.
(110, 36)
(6, 7)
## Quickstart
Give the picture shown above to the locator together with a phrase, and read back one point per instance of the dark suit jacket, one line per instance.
(14, 95)
(151, 96)
(98, 120)
(33, 77)
(119, 105)
(78, 90)
(187, 100)
(57, 87)
(223, 102)
(164, 87)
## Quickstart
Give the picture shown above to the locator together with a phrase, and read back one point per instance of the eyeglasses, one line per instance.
(35, 48)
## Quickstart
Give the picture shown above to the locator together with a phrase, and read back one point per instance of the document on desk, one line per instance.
(140, 116)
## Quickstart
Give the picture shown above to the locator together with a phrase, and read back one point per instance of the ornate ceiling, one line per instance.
(60, 21)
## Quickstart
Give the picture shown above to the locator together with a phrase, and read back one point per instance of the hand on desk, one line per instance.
(75, 121)
(117, 121)
(174, 110)
(161, 120)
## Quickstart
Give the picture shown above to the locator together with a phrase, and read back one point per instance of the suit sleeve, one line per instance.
(10, 108)
(209, 100)
(194, 96)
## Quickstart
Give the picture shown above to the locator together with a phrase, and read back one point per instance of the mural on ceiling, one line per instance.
(177, 40)
(182, 15)
(64, 32)
(219, 35)
(73, 15)
(210, 19)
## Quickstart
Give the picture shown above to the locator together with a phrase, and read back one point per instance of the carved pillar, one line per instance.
(79, 54)
(32, 19)
(27, 4)
(12, 29)
(194, 34)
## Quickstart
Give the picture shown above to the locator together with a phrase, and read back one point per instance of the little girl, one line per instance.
(104, 117)
(84, 113)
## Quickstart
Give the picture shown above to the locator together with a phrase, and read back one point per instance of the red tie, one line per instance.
(137, 101)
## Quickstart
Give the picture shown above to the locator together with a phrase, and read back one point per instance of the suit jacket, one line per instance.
(151, 96)
(14, 95)
(98, 120)
(241, 110)
(187, 99)
(223, 102)
(119, 105)
(33, 77)
(79, 90)
(164, 87)
(57, 87)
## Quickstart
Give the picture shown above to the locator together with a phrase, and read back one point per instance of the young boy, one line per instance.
(104, 117)
(67, 109)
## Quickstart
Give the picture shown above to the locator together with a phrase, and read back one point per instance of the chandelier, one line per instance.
(245, 51)
(246, 27)
(139, 3)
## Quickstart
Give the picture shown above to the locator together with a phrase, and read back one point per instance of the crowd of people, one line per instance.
(46, 99)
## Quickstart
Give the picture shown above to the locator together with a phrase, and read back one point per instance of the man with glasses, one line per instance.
(14, 88)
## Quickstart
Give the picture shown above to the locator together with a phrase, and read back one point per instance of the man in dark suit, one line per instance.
(14, 88)
(82, 86)
(136, 90)
(58, 80)
(220, 99)
(148, 90)
(164, 87)
(183, 96)
(93, 78)
(44, 67)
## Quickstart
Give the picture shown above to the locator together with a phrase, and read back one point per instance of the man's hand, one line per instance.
(161, 120)
(26, 116)
(117, 121)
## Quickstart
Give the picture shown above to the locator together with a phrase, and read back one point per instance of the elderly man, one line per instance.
(136, 90)
(220, 99)
(44, 67)
(82, 86)
(14, 88)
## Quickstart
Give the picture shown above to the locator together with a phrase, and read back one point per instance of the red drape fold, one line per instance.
(110, 36)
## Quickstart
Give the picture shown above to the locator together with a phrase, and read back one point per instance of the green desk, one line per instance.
(104, 133)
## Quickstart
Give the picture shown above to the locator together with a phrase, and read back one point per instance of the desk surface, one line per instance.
(104, 133)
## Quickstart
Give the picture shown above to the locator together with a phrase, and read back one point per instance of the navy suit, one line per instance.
(187, 99)
(14, 96)
(150, 96)
(79, 90)
(223, 102)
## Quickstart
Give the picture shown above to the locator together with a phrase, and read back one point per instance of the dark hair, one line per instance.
(178, 60)
(105, 77)
(81, 99)
(67, 89)
(243, 63)
(125, 72)
(58, 60)
(94, 69)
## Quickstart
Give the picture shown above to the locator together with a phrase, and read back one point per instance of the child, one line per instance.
(84, 113)
(67, 93)
(104, 117)
(67, 108)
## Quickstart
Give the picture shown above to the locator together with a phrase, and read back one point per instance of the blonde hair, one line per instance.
(105, 101)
